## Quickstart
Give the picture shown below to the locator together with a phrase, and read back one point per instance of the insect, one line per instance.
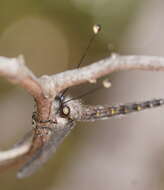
(66, 112)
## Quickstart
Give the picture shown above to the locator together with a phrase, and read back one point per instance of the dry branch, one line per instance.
(101, 68)
(46, 88)
(15, 71)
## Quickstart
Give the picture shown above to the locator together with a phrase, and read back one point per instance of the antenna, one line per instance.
(82, 95)
(96, 29)
(106, 84)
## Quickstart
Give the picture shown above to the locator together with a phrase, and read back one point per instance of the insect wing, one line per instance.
(44, 153)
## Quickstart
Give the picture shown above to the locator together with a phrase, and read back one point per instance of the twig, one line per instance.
(46, 88)
(101, 68)
(15, 71)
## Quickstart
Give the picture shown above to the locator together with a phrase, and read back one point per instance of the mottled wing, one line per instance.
(43, 154)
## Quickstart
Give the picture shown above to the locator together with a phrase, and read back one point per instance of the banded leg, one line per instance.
(91, 113)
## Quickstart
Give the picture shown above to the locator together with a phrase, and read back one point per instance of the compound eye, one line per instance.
(65, 110)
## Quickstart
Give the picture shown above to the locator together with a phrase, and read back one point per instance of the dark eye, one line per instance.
(33, 123)
(65, 110)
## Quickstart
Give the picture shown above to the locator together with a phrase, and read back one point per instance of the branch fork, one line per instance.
(46, 88)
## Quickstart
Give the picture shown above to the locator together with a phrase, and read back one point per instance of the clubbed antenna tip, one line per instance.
(96, 28)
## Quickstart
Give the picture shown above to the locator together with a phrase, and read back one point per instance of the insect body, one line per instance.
(105, 112)
(66, 114)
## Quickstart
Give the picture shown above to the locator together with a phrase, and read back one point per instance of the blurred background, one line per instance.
(120, 153)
